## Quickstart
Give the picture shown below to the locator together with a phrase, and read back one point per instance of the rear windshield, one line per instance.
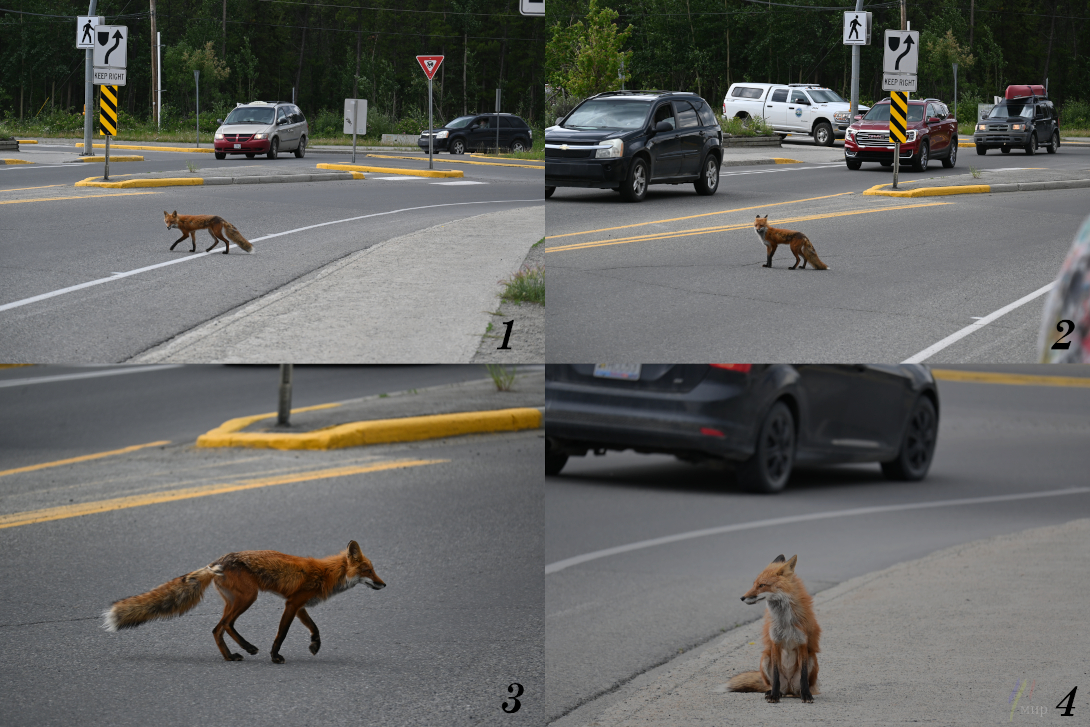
(250, 115)
(611, 114)
(881, 113)
(1012, 108)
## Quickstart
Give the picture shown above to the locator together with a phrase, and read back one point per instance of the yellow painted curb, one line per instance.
(27, 141)
(379, 431)
(390, 170)
(112, 159)
(779, 160)
(461, 161)
(15, 161)
(149, 148)
(929, 191)
(130, 183)
(992, 377)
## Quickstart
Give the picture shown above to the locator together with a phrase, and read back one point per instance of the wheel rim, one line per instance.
(639, 180)
(518, 146)
(822, 135)
(923, 157)
(954, 153)
(778, 448)
(921, 439)
(458, 147)
(1055, 140)
(711, 173)
(303, 146)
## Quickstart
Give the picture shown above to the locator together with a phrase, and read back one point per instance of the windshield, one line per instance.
(250, 115)
(881, 113)
(461, 122)
(1012, 108)
(824, 95)
(609, 114)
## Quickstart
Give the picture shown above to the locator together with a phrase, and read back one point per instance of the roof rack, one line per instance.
(635, 92)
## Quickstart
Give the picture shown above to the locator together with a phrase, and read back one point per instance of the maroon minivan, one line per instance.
(932, 134)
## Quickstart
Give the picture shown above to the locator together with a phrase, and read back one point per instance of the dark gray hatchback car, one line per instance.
(764, 418)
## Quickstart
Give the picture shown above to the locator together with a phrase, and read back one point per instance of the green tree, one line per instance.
(585, 59)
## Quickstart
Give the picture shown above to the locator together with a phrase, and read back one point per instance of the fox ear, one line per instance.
(354, 549)
(779, 558)
(174, 213)
(790, 567)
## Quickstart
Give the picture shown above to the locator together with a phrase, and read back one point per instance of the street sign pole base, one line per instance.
(106, 173)
(896, 162)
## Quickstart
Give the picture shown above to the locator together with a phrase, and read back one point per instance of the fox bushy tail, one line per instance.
(236, 237)
(750, 681)
(810, 254)
(171, 599)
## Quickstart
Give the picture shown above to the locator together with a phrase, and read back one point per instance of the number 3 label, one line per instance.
(514, 699)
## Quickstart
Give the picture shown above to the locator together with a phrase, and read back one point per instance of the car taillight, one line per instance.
(711, 432)
(740, 368)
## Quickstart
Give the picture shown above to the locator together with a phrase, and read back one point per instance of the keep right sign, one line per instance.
(901, 51)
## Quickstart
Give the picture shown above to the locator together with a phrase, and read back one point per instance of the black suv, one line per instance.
(478, 132)
(1023, 122)
(626, 140)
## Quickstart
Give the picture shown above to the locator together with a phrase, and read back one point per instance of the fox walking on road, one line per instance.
(238, 577)
(216, 226)
(798, 242)
(789, 663)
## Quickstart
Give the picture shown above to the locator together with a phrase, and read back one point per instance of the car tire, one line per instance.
(520, 144)
(221, 155)
(554, 461)
(981, 150)
(1005, 149)
(301, 151)
(951, 158)
(917, 446)
(919, 164)
(549, 192)
(1053, 143)
(274, 148)
(634, 188)
(1031, 147)
(853, 164)
(708, 181)
(250, 155)
(458, 146)
(769, 469)
(823, 134)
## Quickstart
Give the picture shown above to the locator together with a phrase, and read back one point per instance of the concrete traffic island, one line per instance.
(973, 634)
(987, 181)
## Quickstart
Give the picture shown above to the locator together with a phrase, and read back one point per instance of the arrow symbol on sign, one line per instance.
(908, 47)
(117, 41)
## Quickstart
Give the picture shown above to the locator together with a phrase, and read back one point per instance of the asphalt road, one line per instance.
(609, 619)
(55, 237)
(680, 274)
(455, 531)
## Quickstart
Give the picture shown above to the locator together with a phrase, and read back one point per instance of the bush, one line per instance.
(1075, 114)
(752, 126)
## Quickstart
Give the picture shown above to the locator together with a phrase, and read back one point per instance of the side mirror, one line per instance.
(219, 121)
(858, 117)
(664, 126)
(558, 120)
(933, 120)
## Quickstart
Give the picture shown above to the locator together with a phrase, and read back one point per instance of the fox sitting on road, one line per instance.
(238, 577)
(789, 660)
(799, 243)
(216, 226)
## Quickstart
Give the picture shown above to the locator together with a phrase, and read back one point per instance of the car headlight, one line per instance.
(1018, 127)
(261, 136)
(219, 134)
(910, 136)
(442, 135)
(850, 135)
(613, 148)
(981, 127)
(842, 116)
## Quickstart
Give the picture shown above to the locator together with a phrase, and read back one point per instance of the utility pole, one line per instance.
(855, 71)
(154, 66)
(89, 92)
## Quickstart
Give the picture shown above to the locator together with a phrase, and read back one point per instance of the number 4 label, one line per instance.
(1070, 699)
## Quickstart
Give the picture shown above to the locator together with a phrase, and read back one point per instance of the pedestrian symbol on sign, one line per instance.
(854, 28)
(87, 33)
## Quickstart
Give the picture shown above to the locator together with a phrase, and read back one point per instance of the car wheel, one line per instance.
(1054, 142)
(302, 150)
(981, 150)
(1031, 147)
(853, 164)
(919, 164)
(519, 145)
(274, 148)
(708, 181)
(250, 155)
(918, 445)
(1005, 149)
(770, 466)
(952, 159)
(634, 188)
(823, 134)
(458, 146)
(549, 192)
(221, 155)
(554, 461)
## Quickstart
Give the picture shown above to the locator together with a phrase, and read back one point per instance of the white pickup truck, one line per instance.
(792, 109)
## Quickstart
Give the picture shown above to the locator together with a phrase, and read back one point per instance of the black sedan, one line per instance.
(764, 418)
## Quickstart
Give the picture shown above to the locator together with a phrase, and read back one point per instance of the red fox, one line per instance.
(798, 242)
(238, 578)
(216, 225)
(789, 660)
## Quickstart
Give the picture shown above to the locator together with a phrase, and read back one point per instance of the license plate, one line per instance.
(626, 372)
(238, 146)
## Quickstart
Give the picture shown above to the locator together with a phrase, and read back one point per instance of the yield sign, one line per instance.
(430, 64)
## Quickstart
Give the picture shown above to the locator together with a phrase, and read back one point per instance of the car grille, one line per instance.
(237, 137)
(879, 138)
(573, 152)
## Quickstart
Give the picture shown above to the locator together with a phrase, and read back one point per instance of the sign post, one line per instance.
(430, 64)
(898, 115)
(88, 45)
(197, 83)
(900, 61)
(353, 122)
(107, 102)
(497, 122)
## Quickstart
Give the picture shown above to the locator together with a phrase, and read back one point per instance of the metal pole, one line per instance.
(154, 65)
(355, 125)
(431, 128)
(197, 83)
(897, 145)
(88, 92)
(855, 72)
(955, 90)
(284, 413)
(106, 174)
(497, 121)
(159, 91)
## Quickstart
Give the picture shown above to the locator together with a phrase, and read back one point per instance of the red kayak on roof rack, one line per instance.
(1020, 91)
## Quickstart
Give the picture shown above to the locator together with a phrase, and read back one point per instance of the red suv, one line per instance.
(932, 134)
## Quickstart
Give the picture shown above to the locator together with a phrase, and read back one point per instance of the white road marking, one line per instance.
(399, 178)
(13, 167)
(195, 256)
(452, 184)
(87, 375)
(783, 168)
(586, 557)
(955, 337)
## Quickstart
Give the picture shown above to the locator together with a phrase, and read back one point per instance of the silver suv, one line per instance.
(262, 127)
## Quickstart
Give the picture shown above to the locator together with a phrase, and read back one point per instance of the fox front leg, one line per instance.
(774, 695)
(182, 238)
(805, 681)
(770, 251)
